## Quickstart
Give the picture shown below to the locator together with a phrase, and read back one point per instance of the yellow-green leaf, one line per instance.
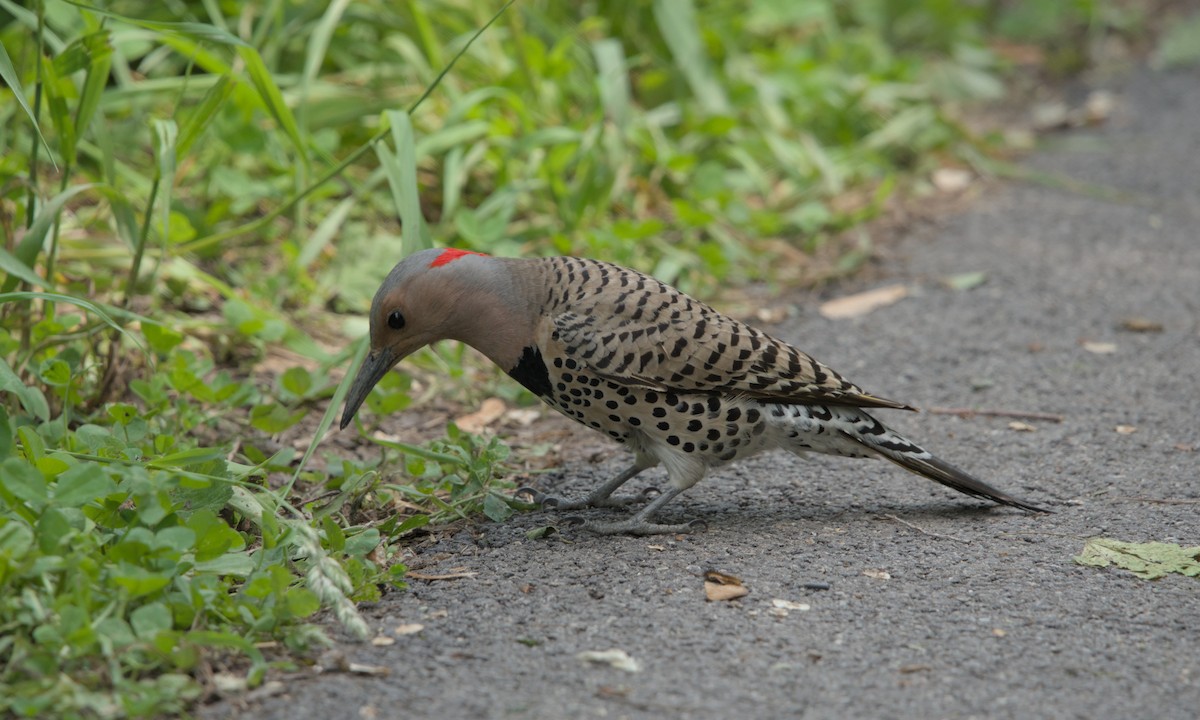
(1150, 560)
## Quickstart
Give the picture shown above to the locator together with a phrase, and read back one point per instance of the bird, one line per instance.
(677, 382)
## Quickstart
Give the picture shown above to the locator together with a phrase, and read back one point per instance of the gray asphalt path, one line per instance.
(982, 613)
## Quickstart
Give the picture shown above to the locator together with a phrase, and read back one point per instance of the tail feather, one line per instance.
(917, 460)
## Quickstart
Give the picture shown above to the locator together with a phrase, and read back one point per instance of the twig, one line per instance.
(966, 413)
(1158, 501)
(923, 531)
(443, 576)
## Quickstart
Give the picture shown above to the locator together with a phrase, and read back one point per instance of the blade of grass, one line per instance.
(203, 114)
(324, 233)
(360, 348)
(613, 80)
(217, 238)
(10, 77)
(677, 21)
(200, 31)
(272, 99)
(27, 250)
(106, 313)
(402, 177)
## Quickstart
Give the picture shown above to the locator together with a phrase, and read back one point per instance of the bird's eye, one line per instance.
(395, 320)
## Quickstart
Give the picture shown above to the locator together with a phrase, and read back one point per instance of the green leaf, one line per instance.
(203, 114)
(6, 434)
(16, 539)
(401, 170)
(165, 134)
(105, 312)
(302, 602)
(676, 20)
(297, 381)
(30, 245)
(179, 539)
(149, 620)
(335, 539)
(99, 53)
(272, 99)
(496, 508)
(1150, 560)
(274, 418)
(965, 281)
(542, 532)
(200, 31)
(55, 91)
(139, 581)
(213, 537)
(52, 528)
(362, 543)
(31, 399)
(412, 523)
(25, 482)
(1180, 44)
(122, 413)
(82, 484)
(161, 338)
(238, 564)
(613, 81)
(56, 373)
(10, 77)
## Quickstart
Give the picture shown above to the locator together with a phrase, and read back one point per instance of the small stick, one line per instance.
(968, 413)
(923, 531)
(443, 576)
(1158, 501)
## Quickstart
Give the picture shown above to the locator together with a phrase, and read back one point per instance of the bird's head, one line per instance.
(420, 302)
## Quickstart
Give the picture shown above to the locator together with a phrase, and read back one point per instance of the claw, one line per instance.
(650, 492)
(574, 521)
(550, 503)
(697, 526)
(535, 495)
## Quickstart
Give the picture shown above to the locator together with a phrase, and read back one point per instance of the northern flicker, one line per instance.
(673, 379)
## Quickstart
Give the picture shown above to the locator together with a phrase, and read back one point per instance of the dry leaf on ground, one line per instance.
(1100, 348)
(951, 180)
(1140, 324)
(488, 413)
(862, 303)
(1125, 429)
(1021, 426)
(408, 629)
(790, 605)
(618, 659)
(720, 586)
(877, 574)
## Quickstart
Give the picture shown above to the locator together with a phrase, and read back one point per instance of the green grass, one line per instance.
(191, 190)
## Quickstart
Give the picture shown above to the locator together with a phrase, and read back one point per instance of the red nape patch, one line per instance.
(450, 255)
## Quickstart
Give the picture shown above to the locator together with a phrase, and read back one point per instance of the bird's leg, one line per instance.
(601, 496)
(639, 523)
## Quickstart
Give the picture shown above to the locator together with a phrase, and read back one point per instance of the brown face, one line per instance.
(396, 333)
(424, 299)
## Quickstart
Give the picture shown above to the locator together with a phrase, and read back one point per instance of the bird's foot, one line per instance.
(637, 526)
(549, 502)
